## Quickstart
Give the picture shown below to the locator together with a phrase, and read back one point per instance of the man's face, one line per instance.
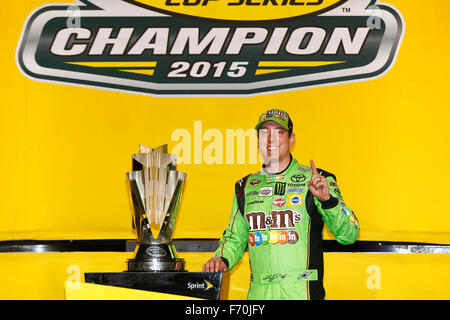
(274, 142)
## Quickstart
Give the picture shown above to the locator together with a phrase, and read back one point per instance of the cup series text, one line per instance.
(245, 2)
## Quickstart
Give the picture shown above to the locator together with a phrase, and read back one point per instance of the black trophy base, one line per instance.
(156, 257)
(203, 285)
(156, 265)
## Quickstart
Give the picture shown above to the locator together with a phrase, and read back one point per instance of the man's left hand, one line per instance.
(318, 185)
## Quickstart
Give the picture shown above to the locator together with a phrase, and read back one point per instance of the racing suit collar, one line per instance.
(277, 173)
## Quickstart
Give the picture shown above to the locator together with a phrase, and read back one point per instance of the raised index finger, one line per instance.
(314, 169)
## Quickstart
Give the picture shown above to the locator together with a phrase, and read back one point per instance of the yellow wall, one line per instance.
(65, 151)
(352, 276)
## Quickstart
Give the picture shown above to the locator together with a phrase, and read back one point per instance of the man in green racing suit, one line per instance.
(279, 213)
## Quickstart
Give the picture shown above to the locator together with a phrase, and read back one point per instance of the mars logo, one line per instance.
(277, 219)
(207, 47)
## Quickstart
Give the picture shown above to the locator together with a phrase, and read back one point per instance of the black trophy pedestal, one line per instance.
(204, 285)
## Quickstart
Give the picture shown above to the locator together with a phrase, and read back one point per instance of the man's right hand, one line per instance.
(215, 264)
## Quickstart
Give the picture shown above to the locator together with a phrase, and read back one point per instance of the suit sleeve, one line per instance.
(340, 220)
(234, 239)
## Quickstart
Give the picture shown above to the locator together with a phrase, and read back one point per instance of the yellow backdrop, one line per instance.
(65, 149)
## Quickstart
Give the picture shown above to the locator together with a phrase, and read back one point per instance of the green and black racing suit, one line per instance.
(282, 224)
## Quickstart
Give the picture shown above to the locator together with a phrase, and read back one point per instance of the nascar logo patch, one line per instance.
(209, 47)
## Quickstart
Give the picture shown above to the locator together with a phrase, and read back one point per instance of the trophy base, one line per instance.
(156, 257)
(203, 285)
(156, 265)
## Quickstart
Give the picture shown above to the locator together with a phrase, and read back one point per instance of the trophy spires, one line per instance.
(156, 189)
(157, 182)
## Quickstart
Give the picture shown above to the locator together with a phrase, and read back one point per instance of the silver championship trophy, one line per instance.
(155, 187)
